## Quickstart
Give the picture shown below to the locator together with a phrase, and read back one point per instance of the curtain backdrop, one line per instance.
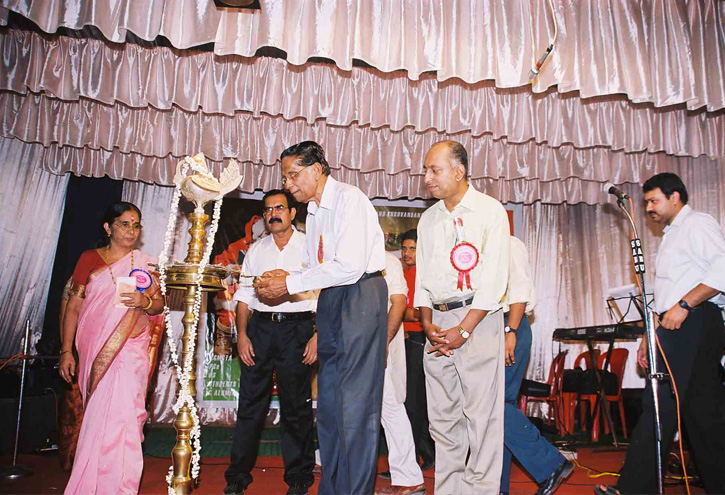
(159, 78)
(28, 239)
(652, 51)
(133, 112)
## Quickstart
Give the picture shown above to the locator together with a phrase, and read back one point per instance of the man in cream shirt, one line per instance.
(462, 273)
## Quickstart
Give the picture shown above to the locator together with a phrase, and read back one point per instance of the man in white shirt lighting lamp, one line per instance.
(275, 335)
(689, 285)
(346, 257)
(462, 273)
(521, 438)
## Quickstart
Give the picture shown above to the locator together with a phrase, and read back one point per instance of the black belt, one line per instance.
(379, 273)
(280, 317)
(452, 305)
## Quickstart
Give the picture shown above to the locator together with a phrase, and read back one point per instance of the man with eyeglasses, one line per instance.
(275, 335)
(346, 252)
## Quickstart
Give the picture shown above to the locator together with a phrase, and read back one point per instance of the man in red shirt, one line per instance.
(415, 403)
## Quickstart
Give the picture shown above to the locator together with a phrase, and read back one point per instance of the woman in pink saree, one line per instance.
(113, 361)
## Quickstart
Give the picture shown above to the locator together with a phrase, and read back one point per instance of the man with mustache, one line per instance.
(346, 257)
(275, 335)
(462, 273)
(689, 285)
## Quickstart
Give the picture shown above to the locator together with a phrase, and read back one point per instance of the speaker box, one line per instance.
(38, 422)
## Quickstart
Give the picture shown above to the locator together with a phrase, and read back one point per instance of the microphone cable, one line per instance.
(534, 72)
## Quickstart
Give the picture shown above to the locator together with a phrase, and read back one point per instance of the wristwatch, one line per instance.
(683, 304)
(508, 329)
(465, 334)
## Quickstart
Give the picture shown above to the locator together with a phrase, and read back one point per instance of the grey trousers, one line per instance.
(351, 326)
(466, 407)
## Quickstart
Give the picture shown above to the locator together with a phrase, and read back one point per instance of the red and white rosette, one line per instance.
(464, 258)
(143, 279)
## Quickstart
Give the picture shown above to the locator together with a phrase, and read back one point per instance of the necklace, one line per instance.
(105, 256)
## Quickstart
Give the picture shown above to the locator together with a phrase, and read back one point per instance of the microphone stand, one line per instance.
(653, 374)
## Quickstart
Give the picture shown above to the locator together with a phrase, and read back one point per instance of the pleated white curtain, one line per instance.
(664, 52)
(133, 113)
(31, 202)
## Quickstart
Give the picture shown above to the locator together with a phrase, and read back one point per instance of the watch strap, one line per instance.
(683, 304)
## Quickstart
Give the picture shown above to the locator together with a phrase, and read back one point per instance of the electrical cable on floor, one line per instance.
(598, 474)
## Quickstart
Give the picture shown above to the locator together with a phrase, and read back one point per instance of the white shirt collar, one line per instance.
(467, 200)
(329, 193)
(679, 218)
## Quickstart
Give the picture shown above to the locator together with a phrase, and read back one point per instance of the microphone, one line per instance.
(612, 189)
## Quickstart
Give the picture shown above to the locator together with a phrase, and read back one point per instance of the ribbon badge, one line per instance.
(464, 256)
(143, 279)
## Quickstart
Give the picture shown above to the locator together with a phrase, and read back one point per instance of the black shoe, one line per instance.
(234, 488)
(551, 483)
(298, 489)
(385, 475)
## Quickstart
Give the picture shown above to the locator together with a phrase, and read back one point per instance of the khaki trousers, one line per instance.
(466, 407)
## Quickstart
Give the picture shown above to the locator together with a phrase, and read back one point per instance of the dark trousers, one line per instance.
(277, 346)
(352, 327)
(694, 352)
(521, 438)
(416, 404)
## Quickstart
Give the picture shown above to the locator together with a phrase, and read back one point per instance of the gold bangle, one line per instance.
(151, 303)
(62, 352)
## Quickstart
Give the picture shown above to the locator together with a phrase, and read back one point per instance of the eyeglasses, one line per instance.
(128, 225)
(292, 176)
(269, 209)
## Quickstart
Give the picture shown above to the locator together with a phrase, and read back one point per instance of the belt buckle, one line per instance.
(277, 317)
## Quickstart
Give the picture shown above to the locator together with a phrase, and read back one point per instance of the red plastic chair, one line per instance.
(617, 363)
(556, 374)
(584, 361)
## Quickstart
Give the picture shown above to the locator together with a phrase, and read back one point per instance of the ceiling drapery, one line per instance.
(657, 51)
(131, 111)
(138, 77)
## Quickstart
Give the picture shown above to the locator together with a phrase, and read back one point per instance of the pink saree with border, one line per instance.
(113, 370)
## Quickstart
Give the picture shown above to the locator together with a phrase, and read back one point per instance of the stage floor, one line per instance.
(49, 479)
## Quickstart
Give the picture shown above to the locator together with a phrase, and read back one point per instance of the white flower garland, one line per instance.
(184, 371)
